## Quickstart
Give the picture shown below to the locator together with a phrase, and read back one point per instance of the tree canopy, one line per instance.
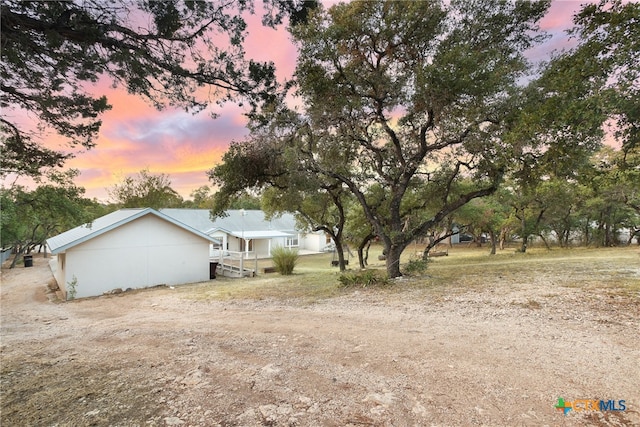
(146, 190)
(411, 97)
(173, 53)
(29, 217)
(414, 97)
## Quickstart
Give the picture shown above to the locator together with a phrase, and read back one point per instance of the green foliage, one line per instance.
(245, 166)
(416, 267)
(28, 218)
(72, 288)
(268, 162)
(201, 198)
(52, 49)
(364, 279)
(556, 187)
(284, 259)
(146, 190)
(414, 97)
(609, 34)
(245, 201)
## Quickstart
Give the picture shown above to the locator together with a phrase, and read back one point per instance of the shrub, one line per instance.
(284, 260)
(416, 267)
(364, 278)
(71, 288)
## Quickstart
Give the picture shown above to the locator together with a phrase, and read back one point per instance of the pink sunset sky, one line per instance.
(134, 136)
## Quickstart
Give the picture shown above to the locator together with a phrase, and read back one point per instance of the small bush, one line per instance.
(71, 288)
(284, 260)
(416, 267)
(364, 278)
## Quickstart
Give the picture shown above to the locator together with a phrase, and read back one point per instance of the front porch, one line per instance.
(245, 264)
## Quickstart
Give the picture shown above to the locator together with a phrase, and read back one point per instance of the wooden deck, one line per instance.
(236, 264)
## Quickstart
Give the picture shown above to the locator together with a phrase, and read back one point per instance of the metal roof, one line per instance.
(106, 223)
(251, 224)
(266, 234)
(200, 219)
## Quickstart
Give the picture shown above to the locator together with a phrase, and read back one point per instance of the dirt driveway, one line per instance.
(499, 356)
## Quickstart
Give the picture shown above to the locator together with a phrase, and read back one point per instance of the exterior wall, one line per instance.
(234, 243)
(262, 247)
(58, 265)
(313, 241)
(146, 252)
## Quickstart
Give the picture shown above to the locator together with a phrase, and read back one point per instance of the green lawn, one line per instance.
(466, 268)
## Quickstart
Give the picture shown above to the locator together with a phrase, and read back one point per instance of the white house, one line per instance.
(250, 231)
(129, 248)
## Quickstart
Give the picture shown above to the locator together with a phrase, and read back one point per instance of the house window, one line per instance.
(327, 239)
(292, 242)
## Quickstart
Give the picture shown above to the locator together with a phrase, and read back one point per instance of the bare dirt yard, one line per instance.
(463, 345)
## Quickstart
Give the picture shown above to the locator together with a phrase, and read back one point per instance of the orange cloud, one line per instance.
(135, 136)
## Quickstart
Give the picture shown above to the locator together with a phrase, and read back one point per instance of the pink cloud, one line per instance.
(171, 141)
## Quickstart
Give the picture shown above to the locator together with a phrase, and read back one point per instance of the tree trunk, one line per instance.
(361, 261)
(366, 253)
(546, 245)
(393, 261)
(587, 235)
(492, 236)
(15, 258)
(523, 247)
(340, 252)
(503, 238)
(524, 234)
(365, 243)
(608, 235)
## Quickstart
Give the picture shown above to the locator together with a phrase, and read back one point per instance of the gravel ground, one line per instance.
(501, 355)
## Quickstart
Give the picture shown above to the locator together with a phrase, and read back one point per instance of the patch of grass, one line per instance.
(313, 279)
(615, 271)
(363, 279)
(569, 265)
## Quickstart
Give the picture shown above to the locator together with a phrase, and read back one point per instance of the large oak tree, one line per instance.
(413, 96)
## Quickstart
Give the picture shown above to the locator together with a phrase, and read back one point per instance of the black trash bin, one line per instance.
(212, 270)
(28, 260)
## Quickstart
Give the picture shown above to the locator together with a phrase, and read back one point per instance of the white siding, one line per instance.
(58, 266)
(262, 247)
(313, 241)
(145, 252)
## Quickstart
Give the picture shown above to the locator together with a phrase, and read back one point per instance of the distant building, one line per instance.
(250, 231)
(129, 248)
(138, 248)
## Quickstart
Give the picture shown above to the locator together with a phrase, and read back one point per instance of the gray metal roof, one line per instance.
(251, 224)
(106, 223)
(200, 219)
